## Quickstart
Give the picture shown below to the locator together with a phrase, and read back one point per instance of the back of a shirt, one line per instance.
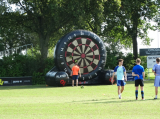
(156, 68)
(138, 69)
(75, 70)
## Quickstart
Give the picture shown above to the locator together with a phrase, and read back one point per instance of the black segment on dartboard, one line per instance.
(96, 57)
(93, 65)
(70, 62)
(79, 63)
(91, 56)
(69, 54)
(89, 51)
(76, 54)
(79, 41)
(88, 41)
(85, 70)
(94, 47)
(71, 46)
(88, 61)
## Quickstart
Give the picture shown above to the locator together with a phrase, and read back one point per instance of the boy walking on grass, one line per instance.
(138, 72)
(121, 71)
(156, 71)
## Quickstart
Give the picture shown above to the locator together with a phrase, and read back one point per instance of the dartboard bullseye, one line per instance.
(83, 47)
(85, 52)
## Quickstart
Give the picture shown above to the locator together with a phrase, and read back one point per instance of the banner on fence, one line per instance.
(13, 81)
(149, 51)
(151, 61)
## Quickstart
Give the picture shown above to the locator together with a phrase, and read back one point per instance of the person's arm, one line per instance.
(125, 76)
(71, 73)
(154, 72)
(112, 77)
(143, 73)
(79, 73)
(133, 74)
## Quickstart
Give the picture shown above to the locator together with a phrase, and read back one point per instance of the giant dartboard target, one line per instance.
(83, 47)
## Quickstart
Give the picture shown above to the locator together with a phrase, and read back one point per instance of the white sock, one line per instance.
(155, 96)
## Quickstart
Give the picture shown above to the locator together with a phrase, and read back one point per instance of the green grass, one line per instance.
(92, 102)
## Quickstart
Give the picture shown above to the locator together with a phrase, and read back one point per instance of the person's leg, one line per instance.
(119, 92)
(76, 82)
(122, 86)
(156, 92)
(72, 82)
(142, 93)
(156, 84)
(119, 88)
(136, 92)
(122, 89)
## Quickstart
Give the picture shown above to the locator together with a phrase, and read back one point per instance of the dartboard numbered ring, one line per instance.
(83, 47)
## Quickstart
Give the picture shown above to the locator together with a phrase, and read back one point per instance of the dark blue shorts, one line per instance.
(74, 77)
(120, 83)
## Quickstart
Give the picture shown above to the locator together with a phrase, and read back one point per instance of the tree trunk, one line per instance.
(43, 46)
(135, 48)
(134, 34)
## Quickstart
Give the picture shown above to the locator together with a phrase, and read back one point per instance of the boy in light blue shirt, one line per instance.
(156, 71)
(121, 72)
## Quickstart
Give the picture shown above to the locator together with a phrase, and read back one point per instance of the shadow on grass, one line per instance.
(111, 100)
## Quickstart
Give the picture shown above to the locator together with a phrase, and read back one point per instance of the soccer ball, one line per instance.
(82, 86)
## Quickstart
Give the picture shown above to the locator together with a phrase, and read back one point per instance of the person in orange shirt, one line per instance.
(74, 74)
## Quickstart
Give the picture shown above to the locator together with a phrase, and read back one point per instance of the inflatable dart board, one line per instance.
(84, 47)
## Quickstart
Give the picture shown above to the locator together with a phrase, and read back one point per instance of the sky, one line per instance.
(155, 35)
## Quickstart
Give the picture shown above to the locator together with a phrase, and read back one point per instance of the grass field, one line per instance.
(92, 102)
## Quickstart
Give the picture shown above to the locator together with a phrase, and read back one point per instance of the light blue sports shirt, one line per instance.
(120, 72)
(156, 68)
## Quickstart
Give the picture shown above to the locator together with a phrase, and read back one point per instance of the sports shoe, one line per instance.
(155, 98)
(143, 99)
(136, 98)
(120, 97)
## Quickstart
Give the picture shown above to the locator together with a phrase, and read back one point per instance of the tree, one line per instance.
(129, 20)
(47, 17)
(135, 15)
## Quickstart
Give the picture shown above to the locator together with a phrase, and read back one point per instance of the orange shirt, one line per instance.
(75, 70)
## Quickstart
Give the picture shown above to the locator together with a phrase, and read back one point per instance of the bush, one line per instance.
(20, 65)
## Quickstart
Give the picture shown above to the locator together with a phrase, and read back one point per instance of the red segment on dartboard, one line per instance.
(69, 44)
(83, 55)
(78, 38)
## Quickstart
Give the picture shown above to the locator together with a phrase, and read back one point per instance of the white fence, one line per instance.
(22, 50)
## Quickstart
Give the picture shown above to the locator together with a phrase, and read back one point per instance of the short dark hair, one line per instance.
(158, 59)
(75, 63)
(138, 60)
(120, 60)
